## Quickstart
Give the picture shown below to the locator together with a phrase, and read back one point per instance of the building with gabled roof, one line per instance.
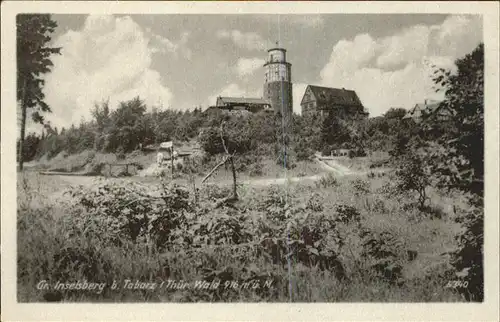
(321, 100)
(242, 104)
(427, 109)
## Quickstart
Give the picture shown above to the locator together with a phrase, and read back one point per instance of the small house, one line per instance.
(243, 104)
(429, 108)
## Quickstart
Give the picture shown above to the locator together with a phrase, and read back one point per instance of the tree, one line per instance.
(127, 129)
(395, 112)
(459, 154)
(413, 175)
(306, 136)
(334, 131)
(30, 147)
(464, 134)
(33, 61)
(237, 137)
(102, 117)
(229, 157)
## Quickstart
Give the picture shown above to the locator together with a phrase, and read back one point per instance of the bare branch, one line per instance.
(216, 167)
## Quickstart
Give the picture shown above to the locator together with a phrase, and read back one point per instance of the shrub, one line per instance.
(383, 251)
(347, 214)
(94, 168)
(389, 189)
(360, 152)
(328, 181)
(214, 192)
(412, 175)
(314, 203)
(134, 213)
(360, 187)
(468, 259)
(326, 150)
(303, 150)
(255, 169)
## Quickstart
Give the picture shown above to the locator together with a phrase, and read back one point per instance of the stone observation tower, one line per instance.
(278, 81)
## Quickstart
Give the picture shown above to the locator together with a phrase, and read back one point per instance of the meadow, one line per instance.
(338, 239)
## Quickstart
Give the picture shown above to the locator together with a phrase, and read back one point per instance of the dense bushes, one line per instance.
(117, 231)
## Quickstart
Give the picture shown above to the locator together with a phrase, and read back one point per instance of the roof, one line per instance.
(277, 48)
(331, 95)
(422, 108)
(242, 100)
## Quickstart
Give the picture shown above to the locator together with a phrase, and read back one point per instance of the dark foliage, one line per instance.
(448, 148)
(33, 61)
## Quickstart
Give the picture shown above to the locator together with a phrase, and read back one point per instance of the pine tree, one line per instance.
(33, 60)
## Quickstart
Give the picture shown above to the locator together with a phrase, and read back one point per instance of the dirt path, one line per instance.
(280, 181)
(334, 166)
(330, 166)
(73, 180)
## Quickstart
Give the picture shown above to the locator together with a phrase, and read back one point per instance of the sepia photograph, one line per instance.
(249, 157)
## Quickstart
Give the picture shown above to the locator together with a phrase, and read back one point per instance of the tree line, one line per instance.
(131, 125)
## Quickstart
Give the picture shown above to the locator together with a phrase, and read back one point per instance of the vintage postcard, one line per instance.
(250, 161)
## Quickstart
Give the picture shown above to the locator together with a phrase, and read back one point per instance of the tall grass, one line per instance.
(62, 241)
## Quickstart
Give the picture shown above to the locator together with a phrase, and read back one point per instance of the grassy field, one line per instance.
(347, 239)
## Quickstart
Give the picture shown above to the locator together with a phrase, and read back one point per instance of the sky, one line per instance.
(186, 61)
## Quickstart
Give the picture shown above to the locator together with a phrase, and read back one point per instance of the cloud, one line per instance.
(456, 35)
(245, 40)
(348, 56)
(395, 71)
(233, 90)
(301, 20)
(310, 21)
(164, 45)
(109, 57)
(406, 47)
(247, 66)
